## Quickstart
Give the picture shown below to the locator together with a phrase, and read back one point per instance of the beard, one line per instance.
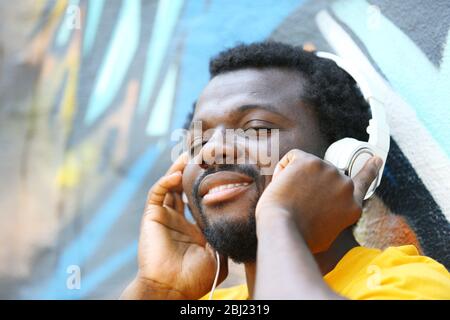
(232, 237)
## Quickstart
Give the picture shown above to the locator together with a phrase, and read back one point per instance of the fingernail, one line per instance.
(378, 162)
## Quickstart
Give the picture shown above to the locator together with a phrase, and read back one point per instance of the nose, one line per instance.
(223, 147)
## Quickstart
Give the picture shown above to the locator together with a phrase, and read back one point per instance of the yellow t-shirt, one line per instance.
(365, 273)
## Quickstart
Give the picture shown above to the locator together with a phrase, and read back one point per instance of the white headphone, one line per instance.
(348, 154)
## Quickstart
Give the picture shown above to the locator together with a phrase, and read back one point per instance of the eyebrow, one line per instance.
(249, 107)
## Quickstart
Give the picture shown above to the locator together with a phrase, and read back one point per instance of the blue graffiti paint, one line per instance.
(120, 53)
(412, 75)
(94, 278)
(387, 174)
(90, 239)
(107, 268)
(215, 26)
(94, 13)
(165, 21)
(159, 121)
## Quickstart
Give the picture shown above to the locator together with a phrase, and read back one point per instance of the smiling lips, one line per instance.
(226, 187)
(223, 186)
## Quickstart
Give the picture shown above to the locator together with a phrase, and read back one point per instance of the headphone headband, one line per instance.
(349, 155)
(378, 128)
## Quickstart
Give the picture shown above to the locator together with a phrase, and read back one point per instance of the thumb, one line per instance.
(365, 177)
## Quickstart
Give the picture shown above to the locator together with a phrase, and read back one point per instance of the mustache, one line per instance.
(243, 168)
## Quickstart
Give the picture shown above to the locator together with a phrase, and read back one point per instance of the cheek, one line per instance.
(264, 151)
(294, 140)
(267, 152)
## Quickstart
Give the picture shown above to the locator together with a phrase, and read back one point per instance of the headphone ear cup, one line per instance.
(340, 153)
(349, 156)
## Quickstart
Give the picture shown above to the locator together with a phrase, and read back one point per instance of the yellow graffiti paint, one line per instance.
(69, 101)
(69, 174)
(77, 163)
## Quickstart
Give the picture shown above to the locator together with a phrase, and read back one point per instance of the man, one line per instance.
(292, 229)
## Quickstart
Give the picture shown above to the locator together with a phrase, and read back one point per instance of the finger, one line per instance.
(169, 200)
(278, 169)
(365, 177)
(286, 160)
(178, 203)
(159, 191)
(179, 164)
(173, 200)
(170, 219)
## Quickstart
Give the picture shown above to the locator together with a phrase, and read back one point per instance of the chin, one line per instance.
(231, 231)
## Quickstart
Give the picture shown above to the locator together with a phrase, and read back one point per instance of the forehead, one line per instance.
(281, 88)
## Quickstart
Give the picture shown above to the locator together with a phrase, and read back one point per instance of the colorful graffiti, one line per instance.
(90, 91)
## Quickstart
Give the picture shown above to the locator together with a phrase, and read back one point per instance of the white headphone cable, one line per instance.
(216, 278)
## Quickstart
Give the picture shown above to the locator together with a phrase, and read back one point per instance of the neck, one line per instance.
(326, 260)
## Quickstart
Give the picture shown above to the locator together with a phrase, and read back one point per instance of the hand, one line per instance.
(175, 261)
(320, 200)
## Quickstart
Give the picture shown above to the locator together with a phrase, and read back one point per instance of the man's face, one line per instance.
(223, 197)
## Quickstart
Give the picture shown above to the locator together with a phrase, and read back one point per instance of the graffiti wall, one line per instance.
(90, 91)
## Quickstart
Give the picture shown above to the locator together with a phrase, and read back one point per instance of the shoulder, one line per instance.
(401, 273)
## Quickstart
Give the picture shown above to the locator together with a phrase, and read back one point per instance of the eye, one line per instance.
(257, 131)
(258, 126)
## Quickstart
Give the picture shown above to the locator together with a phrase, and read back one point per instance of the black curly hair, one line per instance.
(337, 100)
